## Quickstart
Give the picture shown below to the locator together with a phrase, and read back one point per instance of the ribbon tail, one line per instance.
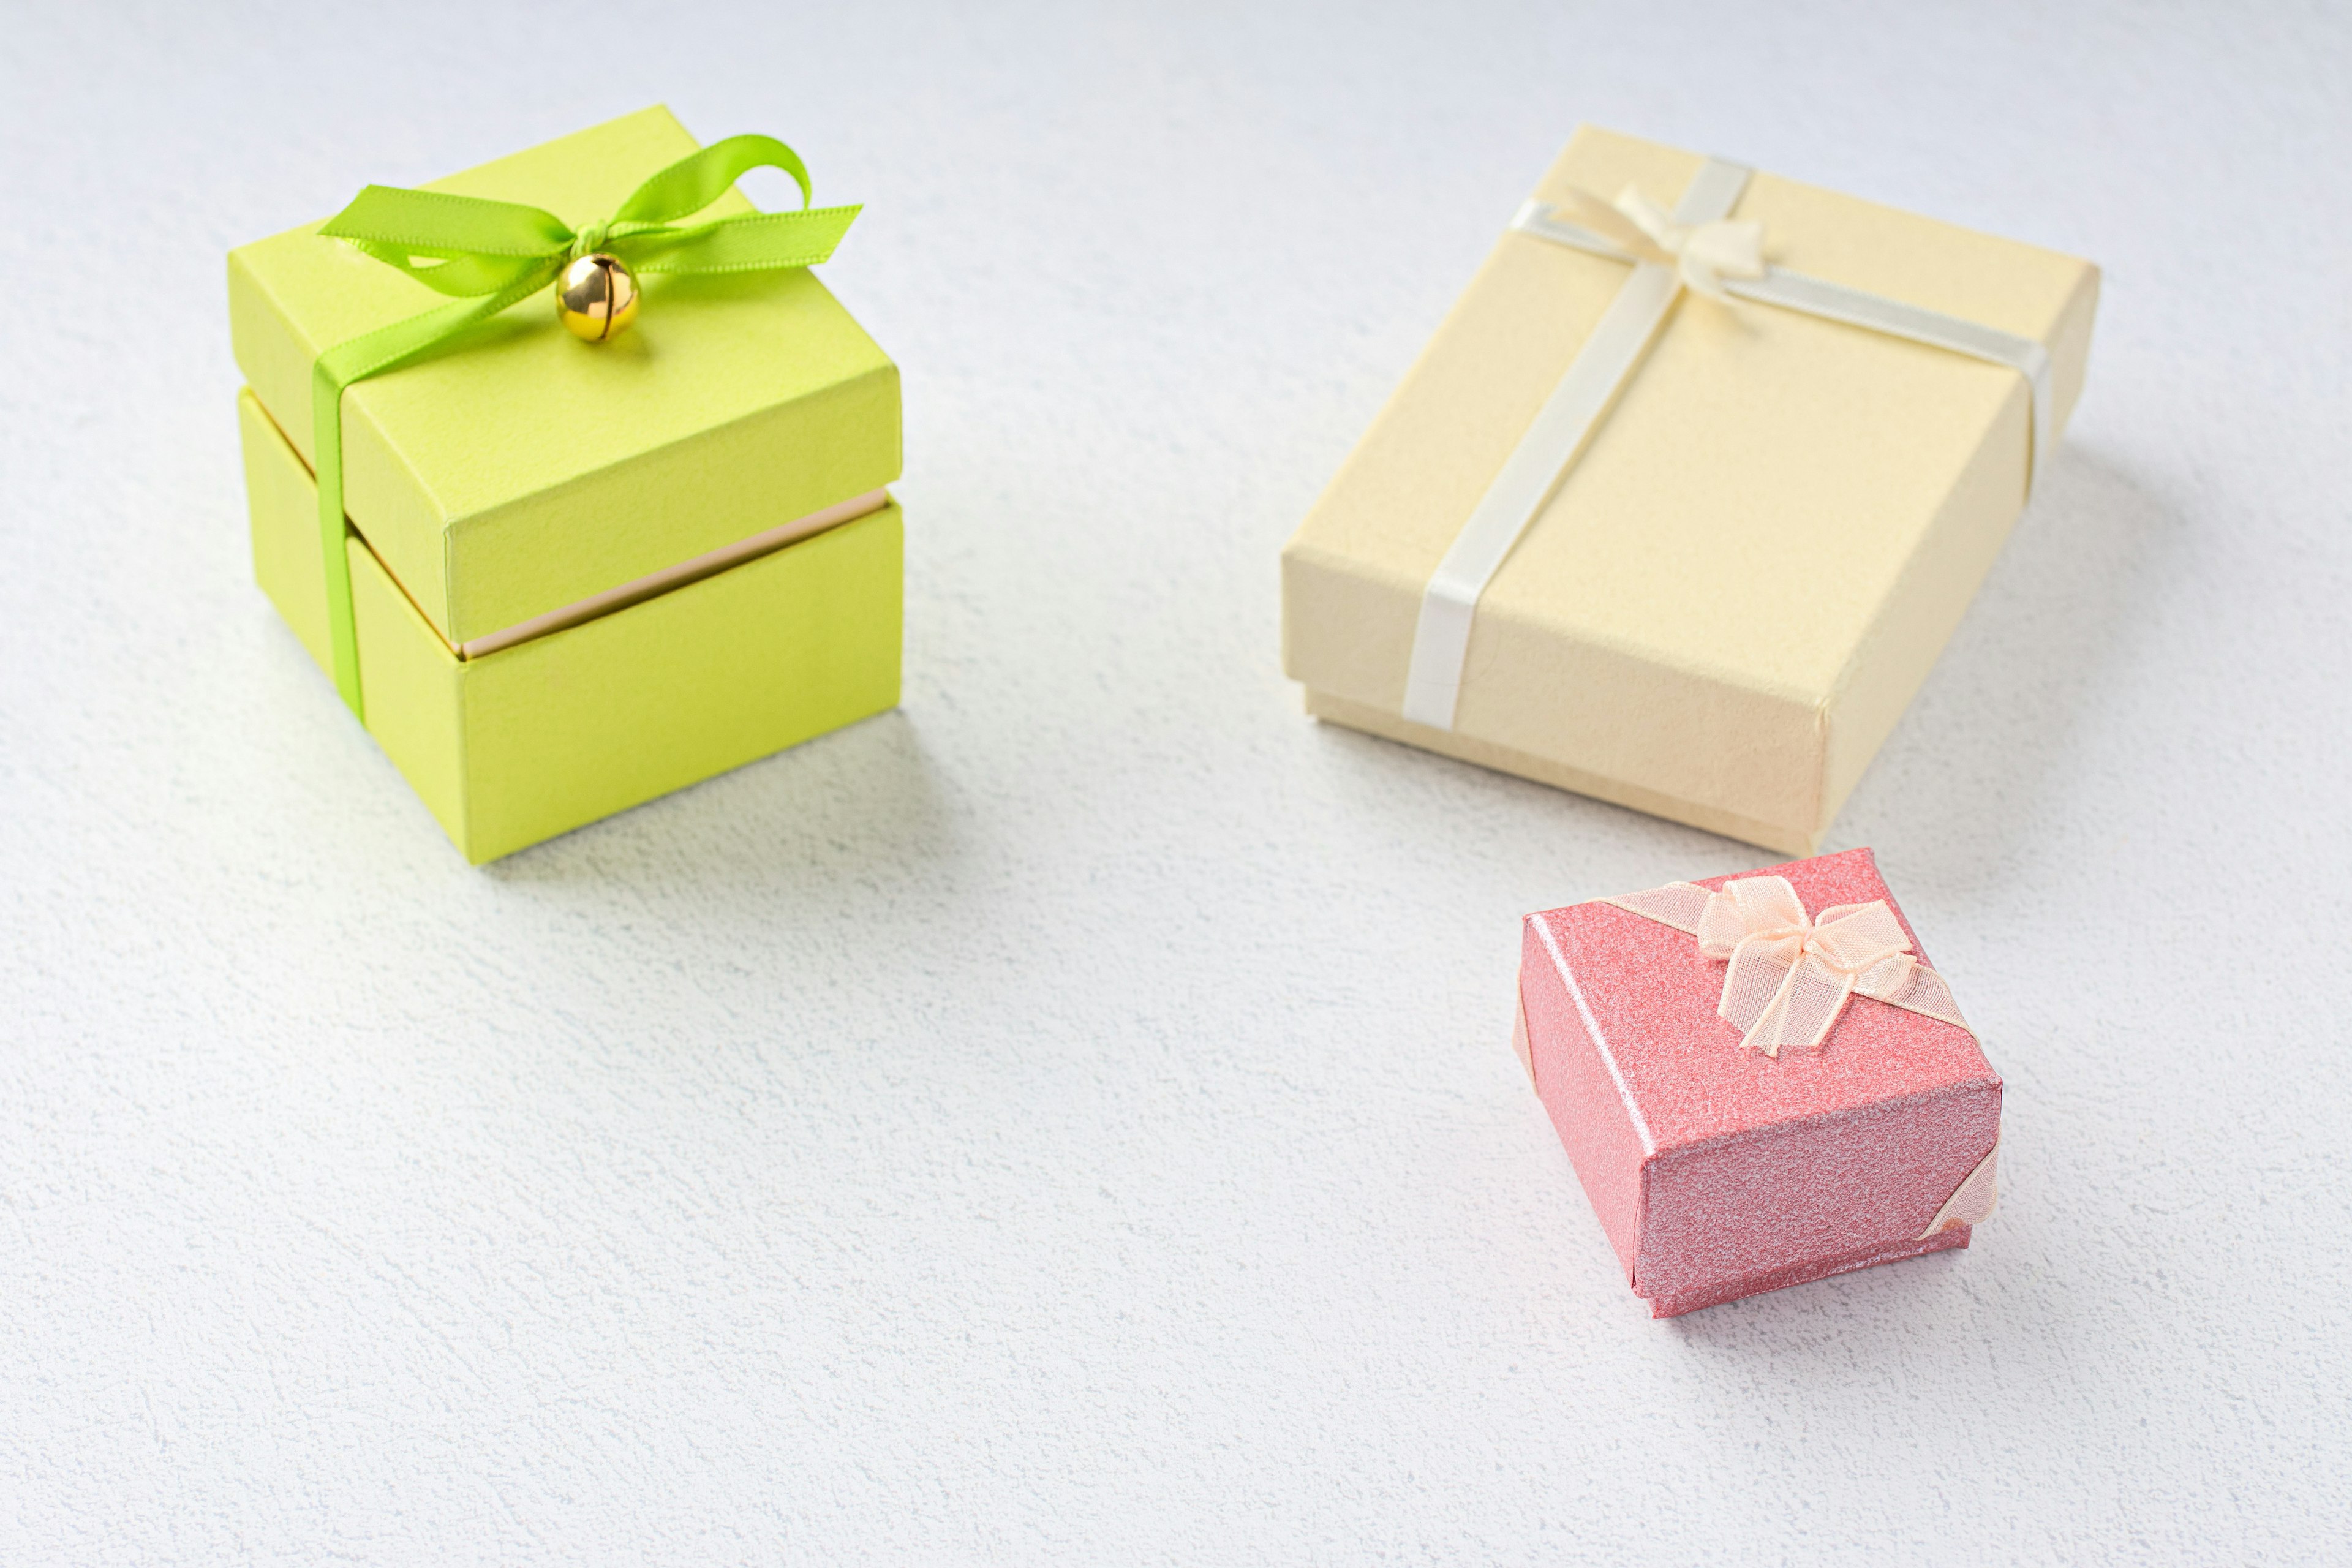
(755, 242)
(1757, 986)
(1803, 1008)
(1817, 998)
(336, 370)
(1770, 1029)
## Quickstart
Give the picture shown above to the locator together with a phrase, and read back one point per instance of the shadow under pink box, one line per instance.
(1719, 1171)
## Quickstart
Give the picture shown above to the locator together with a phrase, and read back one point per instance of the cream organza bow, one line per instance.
(1705, 254)
(1790, 976)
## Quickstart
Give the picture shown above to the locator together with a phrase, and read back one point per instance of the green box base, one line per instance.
(535, 740)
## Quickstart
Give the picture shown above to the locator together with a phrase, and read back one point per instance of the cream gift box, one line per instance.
(1722, 597)
(581, 576)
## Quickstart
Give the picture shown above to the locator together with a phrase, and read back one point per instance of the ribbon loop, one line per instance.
(698, 179)
(1788, 976)
(1746, 908)
(1858, 937)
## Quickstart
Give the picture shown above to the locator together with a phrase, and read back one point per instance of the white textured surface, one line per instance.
(1073, 1117)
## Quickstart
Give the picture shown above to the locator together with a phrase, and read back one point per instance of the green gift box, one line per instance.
(581, 575)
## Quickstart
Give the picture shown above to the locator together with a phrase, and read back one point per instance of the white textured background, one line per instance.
(1072, 1118)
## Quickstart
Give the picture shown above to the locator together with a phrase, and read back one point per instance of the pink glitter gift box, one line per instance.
(1719, 1170)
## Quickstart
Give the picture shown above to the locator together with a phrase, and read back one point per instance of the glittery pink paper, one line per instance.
(1719, 1173)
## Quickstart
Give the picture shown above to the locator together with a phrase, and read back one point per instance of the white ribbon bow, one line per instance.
(1790, 976)
(1703, 254)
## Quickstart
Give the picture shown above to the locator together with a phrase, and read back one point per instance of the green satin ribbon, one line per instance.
(492, 254)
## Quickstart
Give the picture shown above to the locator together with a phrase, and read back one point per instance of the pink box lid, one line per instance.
(1653, 994)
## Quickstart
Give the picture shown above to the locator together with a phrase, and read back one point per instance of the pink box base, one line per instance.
(1675, 1306)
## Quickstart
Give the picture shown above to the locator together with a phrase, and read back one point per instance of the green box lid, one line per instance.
(520, 470)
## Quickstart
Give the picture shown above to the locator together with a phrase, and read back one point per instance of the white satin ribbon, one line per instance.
(1788, 975)
(1696, 248)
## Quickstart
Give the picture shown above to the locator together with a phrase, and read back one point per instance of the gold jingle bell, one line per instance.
(596, 297)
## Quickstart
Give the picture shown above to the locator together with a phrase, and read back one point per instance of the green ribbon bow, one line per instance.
(490, 254)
